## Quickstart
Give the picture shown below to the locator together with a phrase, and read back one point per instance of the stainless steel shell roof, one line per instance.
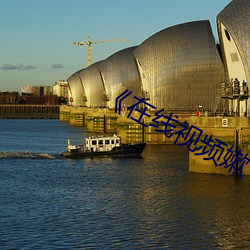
(75, 89)
(236, 18)
(93, 85)
(119, 72)
(181, 67)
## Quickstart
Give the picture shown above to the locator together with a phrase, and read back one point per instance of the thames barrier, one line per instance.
(233, 131)
(179, 69)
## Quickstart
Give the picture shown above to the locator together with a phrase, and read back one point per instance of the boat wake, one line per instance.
(26, 154)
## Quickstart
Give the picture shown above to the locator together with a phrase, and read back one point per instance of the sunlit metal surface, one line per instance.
(75, 90)
(236, 18)
(119, 72)
(177, 69)
(234, 30)
(181, 67)
(93, 86)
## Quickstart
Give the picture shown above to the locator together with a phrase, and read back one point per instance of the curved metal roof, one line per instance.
(76, 91)
(119, 72)
(181, 67)
(236, 18)
(93, 85)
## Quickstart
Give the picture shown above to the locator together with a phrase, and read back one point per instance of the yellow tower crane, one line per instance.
(89, 43)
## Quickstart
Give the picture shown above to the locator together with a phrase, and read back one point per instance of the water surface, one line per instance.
(148, 203)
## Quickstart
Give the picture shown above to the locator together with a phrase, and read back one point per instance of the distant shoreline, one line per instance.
(24, 111)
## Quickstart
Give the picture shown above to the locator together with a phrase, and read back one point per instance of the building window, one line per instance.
(227, 35)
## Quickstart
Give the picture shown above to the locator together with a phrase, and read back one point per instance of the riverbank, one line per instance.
(25, 111)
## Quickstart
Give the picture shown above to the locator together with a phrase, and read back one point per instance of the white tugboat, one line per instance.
(103, 146)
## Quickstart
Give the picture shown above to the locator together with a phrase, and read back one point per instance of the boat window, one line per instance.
(117, 141)
(112, 141)
(93, 142)
(107, 142)
(100, 142)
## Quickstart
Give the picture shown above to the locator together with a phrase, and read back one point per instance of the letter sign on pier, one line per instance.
(224, 123)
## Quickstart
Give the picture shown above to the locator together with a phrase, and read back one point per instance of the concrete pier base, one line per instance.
(64, 113)
(97, 120)
(234, 131)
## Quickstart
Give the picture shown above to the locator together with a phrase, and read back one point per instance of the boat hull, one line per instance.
(126, 150)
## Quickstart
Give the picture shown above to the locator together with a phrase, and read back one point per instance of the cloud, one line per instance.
(28, 67)
(57, 66)
(7, 66)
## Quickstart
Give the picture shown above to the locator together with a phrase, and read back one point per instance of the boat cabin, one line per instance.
(104, 143)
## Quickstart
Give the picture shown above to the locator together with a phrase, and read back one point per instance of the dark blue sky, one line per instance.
(36, 35)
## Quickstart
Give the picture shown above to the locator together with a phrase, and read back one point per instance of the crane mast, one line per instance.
(89, 43)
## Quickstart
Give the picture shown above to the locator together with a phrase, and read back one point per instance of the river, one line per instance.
(48, 202)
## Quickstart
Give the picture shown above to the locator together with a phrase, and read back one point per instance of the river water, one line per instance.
(149, 203)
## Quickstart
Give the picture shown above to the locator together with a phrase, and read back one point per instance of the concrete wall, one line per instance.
(107, 121)
(224, 129)
(214, 126)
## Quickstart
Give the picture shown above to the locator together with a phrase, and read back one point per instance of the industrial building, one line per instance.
(9, 97)
(179, 68)
(60, 89)
(37, 90)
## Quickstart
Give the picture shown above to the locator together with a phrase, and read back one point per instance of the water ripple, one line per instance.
(148, 203)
